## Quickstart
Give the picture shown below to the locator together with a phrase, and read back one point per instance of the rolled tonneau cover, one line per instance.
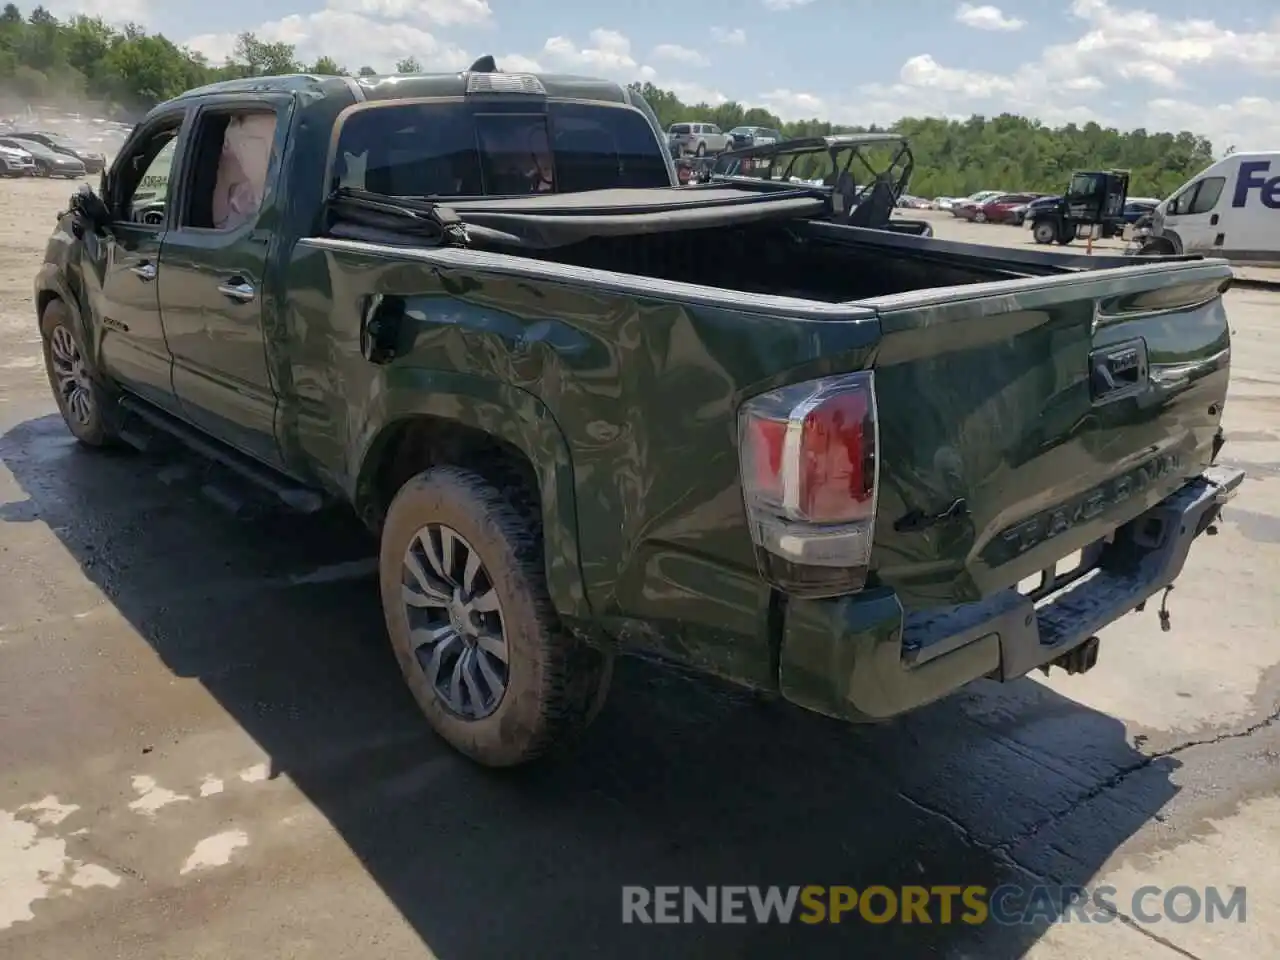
(550, 220)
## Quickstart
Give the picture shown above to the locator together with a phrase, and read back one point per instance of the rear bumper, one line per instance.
(863, 658)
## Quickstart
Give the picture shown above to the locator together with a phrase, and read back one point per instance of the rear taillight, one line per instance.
(809, 474)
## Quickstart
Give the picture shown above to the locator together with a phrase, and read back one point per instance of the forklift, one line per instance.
(1094, 203)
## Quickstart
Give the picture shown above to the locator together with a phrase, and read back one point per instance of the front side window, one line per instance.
(1206, 197)
(468, 150)
(143, 184)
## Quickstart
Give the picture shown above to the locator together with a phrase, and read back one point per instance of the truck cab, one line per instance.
(1230, 210)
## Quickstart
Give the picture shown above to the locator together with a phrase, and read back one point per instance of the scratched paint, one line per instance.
(215, 851)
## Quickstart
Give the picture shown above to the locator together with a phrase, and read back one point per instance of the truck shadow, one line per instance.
(682, 781)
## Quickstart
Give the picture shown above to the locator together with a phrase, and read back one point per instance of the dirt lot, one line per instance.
(206, 751)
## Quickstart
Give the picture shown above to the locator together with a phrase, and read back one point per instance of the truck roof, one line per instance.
(423, 85)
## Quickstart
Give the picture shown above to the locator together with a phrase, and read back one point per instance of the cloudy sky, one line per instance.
(1169, 65)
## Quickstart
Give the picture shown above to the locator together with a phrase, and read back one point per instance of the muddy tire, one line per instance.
(465, 597)
(87, 408)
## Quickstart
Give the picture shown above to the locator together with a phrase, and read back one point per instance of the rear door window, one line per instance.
(462, 149)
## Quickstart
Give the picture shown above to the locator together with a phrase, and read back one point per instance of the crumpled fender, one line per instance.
(502, 411)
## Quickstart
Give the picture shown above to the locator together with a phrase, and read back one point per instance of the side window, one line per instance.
(230, 158)
(141, 189)
(1207, 197)
(713, 129)
(1182, 202)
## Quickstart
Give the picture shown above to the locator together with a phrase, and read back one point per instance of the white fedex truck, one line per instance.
(1230, 210)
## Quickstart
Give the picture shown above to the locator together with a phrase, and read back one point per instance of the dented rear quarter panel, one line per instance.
(624, 400)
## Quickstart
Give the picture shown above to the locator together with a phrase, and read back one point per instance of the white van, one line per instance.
(1230, 210)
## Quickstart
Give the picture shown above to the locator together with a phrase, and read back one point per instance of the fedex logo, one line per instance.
(1253, 176)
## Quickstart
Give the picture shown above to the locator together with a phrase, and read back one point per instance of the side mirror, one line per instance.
(90, 211)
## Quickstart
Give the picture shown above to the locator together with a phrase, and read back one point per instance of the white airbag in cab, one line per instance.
(242, 169)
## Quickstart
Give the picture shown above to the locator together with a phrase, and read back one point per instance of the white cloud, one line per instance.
(786, 4)
(987, 17)
(1133, 52)
(117, 12)
(734, 37)
(353, 39)
(678, 54)
(609, 55)
(794, 104)
(1247, 123)
(1149, 70)
(517, 63)
(692, 93)
(440, 13)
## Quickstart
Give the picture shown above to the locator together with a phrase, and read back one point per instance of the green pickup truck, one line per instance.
(587, 410)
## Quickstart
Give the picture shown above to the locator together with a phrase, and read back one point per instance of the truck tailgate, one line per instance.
(1024, 420)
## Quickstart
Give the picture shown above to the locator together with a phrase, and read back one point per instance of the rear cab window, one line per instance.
(460, 149)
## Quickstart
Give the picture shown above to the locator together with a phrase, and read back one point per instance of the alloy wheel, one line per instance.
(74, 385)
(455, 622)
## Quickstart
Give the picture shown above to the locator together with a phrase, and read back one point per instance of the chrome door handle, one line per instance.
(241, 291)
(145, 271)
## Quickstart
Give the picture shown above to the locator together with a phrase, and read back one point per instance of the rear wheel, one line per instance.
(42, 169)
(465, 598)
(84, 404)
(701, 151)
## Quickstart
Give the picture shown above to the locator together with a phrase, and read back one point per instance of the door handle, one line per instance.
(145, 271)
(1213, 221)
(237, 289)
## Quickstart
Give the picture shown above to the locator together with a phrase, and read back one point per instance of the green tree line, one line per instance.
(85, 60)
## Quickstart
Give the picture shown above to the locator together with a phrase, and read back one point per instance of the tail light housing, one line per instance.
(810, 469)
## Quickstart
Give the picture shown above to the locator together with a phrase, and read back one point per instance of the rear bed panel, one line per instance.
(990, 395)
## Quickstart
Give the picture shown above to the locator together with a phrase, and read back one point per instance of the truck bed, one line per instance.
(776, 243)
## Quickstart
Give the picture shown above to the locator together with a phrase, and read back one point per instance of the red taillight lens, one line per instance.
(766, 441)
(809, 474)
(837, 467)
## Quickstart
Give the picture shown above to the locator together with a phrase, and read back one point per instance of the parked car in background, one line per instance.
(16, 162)
(698, 139)
(1135, 208)
(47, 161)
(909, 202)
(93, 160)
(942, 203)
(740, 137)
(1002, 208)
(973, 201)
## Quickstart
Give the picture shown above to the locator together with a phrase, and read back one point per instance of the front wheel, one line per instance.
(83, 403)
(979, 217)
(42, 169)
(1044, 231)
(465, 599)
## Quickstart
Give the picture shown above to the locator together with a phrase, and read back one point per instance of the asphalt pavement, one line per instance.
(206, 750)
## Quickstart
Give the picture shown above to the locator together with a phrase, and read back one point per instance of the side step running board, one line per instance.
(294, 496)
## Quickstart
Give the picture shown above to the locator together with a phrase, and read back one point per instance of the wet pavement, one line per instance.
(206, 750)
